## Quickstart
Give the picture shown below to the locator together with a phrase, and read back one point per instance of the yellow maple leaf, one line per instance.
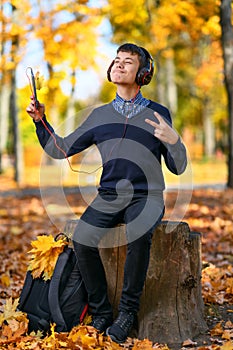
(87, 337)
(52, 329)
(229, 324)
(42, 244)
(217, 330)
(87, 319)
(229, 285)
(39, 81)
(10, 312)
(5, 279)
(88, 340)
(77, 333)
(227, 334)
(44, 254)
(227, 346)
(18, 328)
(145, 344)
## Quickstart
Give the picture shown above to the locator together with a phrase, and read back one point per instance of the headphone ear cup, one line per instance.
(109, 71)
(145, 74)
(143, 77)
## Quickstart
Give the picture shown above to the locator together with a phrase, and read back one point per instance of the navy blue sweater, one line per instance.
(131, 154)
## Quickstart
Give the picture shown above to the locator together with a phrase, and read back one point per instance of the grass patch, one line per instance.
(197, 173)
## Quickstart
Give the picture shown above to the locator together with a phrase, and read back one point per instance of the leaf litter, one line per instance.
(23, 219)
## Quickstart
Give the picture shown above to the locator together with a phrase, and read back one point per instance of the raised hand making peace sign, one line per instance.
(163, 131)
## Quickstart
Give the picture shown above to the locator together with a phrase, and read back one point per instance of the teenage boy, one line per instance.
(132, 134)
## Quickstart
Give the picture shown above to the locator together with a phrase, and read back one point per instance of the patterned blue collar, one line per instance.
(129, 108)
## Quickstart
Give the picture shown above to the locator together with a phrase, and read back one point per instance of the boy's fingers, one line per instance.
(158, 116)
(154, 124)
(158, 121)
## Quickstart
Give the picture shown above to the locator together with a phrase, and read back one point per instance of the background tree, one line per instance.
(12, 45)
(4, 90)
(227, 44)
(180, 49)
(66, 37)
(182, 36)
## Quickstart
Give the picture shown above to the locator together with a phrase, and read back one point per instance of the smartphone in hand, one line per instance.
(34, 90)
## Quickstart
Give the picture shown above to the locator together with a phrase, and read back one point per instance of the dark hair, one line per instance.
(142, 53)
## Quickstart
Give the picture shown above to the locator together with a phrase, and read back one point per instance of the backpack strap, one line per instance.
(53, 295)
(26, 290)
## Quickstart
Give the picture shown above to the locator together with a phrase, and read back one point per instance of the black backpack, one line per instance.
(61, 300)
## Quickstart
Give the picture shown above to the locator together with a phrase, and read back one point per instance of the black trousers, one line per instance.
(141, 214)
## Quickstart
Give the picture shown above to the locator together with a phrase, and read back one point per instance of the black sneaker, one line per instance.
(101, 323)
(121, 327)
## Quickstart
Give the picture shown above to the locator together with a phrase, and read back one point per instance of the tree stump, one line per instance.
(171, 308)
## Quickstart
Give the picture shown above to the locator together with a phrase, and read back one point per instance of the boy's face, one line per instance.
(125, 68)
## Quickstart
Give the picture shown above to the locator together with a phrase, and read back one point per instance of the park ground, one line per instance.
(209, 211)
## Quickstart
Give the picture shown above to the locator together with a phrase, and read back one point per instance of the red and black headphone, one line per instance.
(145, 71)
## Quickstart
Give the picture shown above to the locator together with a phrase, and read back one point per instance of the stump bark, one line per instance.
(171, 308)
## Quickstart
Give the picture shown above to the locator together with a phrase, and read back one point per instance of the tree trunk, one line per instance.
(227, 45)
(160, 81)
(17, 147)
(171, 85)
(209, 130)
(4, 94)
(4, 122)
(171, 308)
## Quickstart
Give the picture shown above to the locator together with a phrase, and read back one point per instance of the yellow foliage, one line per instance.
(39, 81)
(217, 284)
(129, 19)
(10, 65)
(145, 345)
(44, 256)
(5, 279)
(217, 330)
(212, 27)
(10, 312)
(229, 286)
(210, 71)
(87, 319)
(23, 5)
(16, 29)
(162, 27)
(227, 346)
(88, 338)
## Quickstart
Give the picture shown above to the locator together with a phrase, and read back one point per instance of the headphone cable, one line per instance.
(61, 149)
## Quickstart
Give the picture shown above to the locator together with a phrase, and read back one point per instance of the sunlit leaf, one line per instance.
(217, 330)
(5, 280)
(145, 344)
(227, 334)
(10, 312)
(44, 255)
(189, 342)
(39, 81)
(227, 346)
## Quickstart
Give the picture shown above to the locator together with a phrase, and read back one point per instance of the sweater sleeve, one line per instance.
(175, 157)
(61, 147)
